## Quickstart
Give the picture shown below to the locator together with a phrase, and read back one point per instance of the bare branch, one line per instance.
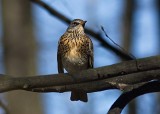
(125, 51)
(97, 36)
(125, 98)
(121, 76)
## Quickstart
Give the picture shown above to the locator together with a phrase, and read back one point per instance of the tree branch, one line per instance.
(125, 98)
(97, 36)
(135, 77)
(120, 76)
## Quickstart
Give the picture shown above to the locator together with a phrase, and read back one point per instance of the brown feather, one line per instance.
(75, 53)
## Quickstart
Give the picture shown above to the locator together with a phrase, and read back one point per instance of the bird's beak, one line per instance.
(84, 22)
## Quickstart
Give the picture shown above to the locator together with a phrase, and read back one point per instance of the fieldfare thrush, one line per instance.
(75, 53)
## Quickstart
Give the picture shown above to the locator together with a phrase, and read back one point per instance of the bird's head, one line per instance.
(76, 25)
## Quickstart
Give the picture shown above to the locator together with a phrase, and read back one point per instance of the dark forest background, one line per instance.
(28, 46)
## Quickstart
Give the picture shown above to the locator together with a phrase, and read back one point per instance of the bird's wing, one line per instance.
(59, 59)
(90, 53)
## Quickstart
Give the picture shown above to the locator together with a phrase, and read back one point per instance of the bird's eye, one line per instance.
(75, 23)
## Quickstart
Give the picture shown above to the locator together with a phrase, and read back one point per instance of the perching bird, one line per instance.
(75, 53)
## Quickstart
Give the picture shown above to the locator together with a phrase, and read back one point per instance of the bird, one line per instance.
(75, 54)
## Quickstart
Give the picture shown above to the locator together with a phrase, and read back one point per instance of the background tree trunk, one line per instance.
(128, 39)
(19, 54)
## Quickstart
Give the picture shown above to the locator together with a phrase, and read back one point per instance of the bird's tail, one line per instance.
(79, 95)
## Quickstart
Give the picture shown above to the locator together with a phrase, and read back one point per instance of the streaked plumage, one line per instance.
(75, 53)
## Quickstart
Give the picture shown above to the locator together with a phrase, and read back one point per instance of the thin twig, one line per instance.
(95, 35)
(127, 53)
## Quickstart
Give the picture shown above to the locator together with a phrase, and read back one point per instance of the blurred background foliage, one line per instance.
(28, 46)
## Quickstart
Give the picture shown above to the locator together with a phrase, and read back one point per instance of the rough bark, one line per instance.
(134, 78)
(121, 76)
